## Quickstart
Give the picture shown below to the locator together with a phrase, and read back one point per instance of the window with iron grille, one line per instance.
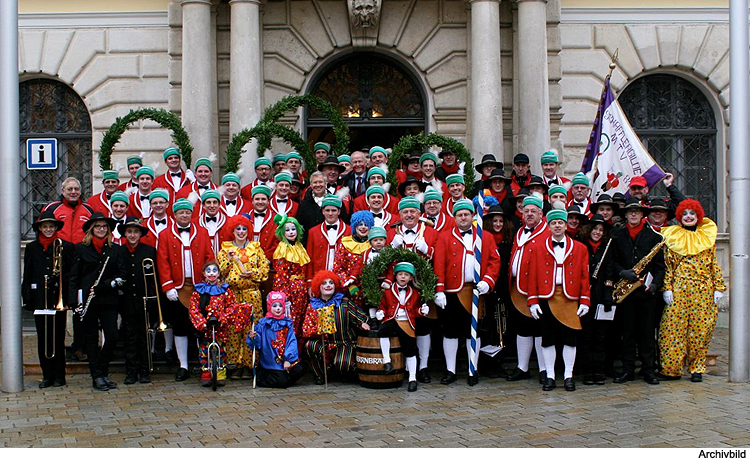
(677, 125)
(50, 109)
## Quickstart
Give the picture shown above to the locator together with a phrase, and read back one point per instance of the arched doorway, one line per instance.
(676, 123)
(50, 109)
(379, 98)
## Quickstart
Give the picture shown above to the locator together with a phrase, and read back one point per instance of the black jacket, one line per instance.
(600, 293)
(309, 214)
(131, 301)
(348, 181)
(36, 264)
(627, 253)
(675, 197)
(86, 268)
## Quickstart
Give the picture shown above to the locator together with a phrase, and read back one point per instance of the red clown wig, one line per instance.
(239, 220)
(321, 276)
(690, 204)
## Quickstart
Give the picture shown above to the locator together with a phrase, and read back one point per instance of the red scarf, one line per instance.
(571, 232)
(450, 170)
(98, 243)
(634, 230)
(45, 242)
(131, 248)
(500, 196)
(594, 245)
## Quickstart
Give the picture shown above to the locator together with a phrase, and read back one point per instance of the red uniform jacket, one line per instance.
(575, 269)
(448, 203)
(247, 191)
(166, 183)
(188, 189)
(221, 234)
(291, 206)
(586, 209)
(428, 233)
(73, 219)
(153, 236)
(125, 186)
(318, 247)
(265, 235)
(560, 180)
(443, 222)
(519, 251)
(390, 304)
(170, 251)
(242, 206)
(135, 209)
(100, 203)
(390, 204)
(451, 255)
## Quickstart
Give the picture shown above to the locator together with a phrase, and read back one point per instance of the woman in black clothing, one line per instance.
(309, 214)
(101, 308)
(38, 276)
(591, 346)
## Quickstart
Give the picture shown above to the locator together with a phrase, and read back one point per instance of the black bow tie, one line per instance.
(144, 197)
(231, 202)
(406, 232)
(120, 221)
(260, 214)
(108, 195)
(377, 215)
(332, 227)
(213, 219)
(561, 244)
(432, 219)
(175, 174)
(528, 230)
(163, 221)
(401, 288)
(579, 205)
(467, 232)
(552, 181)
(203, 187)
(183, 230)
(282, 200)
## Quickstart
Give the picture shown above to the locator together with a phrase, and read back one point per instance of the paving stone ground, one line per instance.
(495, 413)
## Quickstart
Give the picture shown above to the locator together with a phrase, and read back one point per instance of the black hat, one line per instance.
(523, 193)
(538, 181)
(296, 178)
(409, 180)
(47, 216)
(575, 210)
(487, 159)
(598, 219)
(632, 203)
(331, 160)
(604, 199)
(132, 221)
(521, 159)
(496, 210)
(445, 151)
(413, 155)
(618, 196)
(498, 173)
(99, 216)
(657, 204)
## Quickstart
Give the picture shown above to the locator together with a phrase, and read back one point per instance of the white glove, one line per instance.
(398, 241)
(421, 246)
(717, 296)
(424, 309)
(190, 176)
(483, 287)
(536, 311)
(582, 309)
(172, 295)
(385, 285)
(117, 282)
(668, 297)
(348, 282)
(379, 315)
(440, 300)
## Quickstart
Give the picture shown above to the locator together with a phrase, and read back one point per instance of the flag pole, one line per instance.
(473, 351)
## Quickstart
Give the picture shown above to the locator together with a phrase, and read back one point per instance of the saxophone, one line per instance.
(623, 287)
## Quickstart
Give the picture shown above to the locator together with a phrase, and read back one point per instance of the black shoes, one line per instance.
(59, 382)
(171, 357)
(549, 384)
(588, 379)
(696, 377)
(100, 384)
(47, 382)
(661, 376)
(145, 378)
(624, 377)
(319, 381)
(388, 368)
(423, 376)
(182, 375)
(599, 379)
(412, 386)
(130, 379)
(650, 378)
(109, 382)
(518, 374)
(449, 378)
(542, 377)
(570, 385)
(472, 380)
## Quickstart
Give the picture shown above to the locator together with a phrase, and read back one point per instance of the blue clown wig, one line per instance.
(489, 201)
(361, 217)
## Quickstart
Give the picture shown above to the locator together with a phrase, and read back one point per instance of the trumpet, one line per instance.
(149, 270)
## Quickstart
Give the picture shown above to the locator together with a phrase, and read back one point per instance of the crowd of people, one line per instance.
(273, 270)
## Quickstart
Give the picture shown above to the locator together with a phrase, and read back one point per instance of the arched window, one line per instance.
(676, 123)
(379, 98)
(50, 109)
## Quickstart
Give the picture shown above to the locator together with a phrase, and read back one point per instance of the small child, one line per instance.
(275, 340)
(398, 311)
(213, 304)
(377, 237)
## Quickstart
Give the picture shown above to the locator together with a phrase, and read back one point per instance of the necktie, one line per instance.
(360, 185)
(144, 197)
(183, 230)
(231, 202)
(108, 196)
(561, 244)
(467, 232)
(378, 215)
(528, 230)
(163, 221)
(332, 227)
(213, 219)
(175, 174)
(406, 232)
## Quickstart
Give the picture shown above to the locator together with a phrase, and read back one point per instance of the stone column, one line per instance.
(197, 76)
(533, 79)
(245, 74)
(486, 82)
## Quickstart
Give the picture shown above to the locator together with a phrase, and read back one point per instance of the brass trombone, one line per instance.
(149, 270)
(57, 248)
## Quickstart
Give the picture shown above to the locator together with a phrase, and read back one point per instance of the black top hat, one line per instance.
(132, 221)
(331, 160)
(487, 159)
(297, 179)
(409, 180)
(537, 181)
(99, 216)
(521, 159)
(604, 199)
(49, 217)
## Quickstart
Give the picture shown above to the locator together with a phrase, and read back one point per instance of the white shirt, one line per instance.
(231, 208)
(176, 179)
(187, 257)
(410, 238)
(212, 226)
(331, 237)
(559, 259)
(257, 226)
(469, 261)
(159, 226)
(401, 313)
(521, 242)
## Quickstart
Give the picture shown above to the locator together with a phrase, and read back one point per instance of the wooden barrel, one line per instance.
(370, 362)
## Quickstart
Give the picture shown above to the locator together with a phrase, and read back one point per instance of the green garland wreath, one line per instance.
(291, 103)
(425, 274)
(421, 142)
(265, 129)
(164, 118)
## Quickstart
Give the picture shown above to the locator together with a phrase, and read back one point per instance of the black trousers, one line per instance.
(134, 340)
(592, 343)
(53, 339)
(280, 378)
(106, 317)
(455, 320)
(408, 343)
(553, 331)
(79, 335)
(178, 317)
(638, 331)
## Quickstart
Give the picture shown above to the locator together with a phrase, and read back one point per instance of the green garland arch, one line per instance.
(265, 129)
(421, 142)
(425, 274)
(164, 118)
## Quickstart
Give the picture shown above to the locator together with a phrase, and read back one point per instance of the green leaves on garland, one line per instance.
(425, 274)
(163, 117)
(421, 142)
(265, 130)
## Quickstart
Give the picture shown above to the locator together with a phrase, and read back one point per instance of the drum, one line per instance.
(370, 362)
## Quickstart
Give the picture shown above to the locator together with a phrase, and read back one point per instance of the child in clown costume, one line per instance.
(693, 286)
(214, 301)
(276, 342)
(244, 267)
(348, 262)
(289, 261)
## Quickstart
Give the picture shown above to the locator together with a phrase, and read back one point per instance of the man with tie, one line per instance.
(321, 151)
(456, 191)
(175, 177)
(376, 176)
(159, 219)
(455, 261)
(118, 205)
(263, 176)
(433, 210)
(181, 252)
(550, 164)
(212, 219)
(134, 162)
(294, 164)
(580, 194)
(279, 163)
(231, 202)
(203, 172)
(331, 169)
(357, 178)
(427, 167)
(378, 156)
(375, 197)
(281, 203)
(140, 207)
(528, 331)
(261, 217)
(100, 202)
(322, 239)
(559, 294)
